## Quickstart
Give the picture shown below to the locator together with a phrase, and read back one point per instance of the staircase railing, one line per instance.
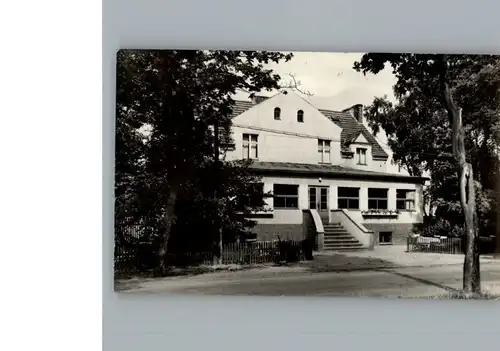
(365, 236)
(318, 228)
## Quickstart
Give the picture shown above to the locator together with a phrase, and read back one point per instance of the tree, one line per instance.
(425, 128)
(179, 95)
(194, 229)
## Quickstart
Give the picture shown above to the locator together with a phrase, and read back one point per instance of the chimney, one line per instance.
(257, 99)
(357, 112)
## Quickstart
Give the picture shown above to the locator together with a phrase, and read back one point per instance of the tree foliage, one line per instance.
(167, 104)
(419, 128)
(447, 105)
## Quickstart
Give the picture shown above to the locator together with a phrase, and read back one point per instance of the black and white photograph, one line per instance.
(307, 174)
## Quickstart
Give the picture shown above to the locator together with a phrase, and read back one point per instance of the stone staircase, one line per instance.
(337, 238)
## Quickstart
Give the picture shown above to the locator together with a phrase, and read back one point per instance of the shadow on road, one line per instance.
(423, 281)
(338, 262)
(129, 284)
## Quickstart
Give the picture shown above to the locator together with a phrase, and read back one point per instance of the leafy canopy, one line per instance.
(177, 96)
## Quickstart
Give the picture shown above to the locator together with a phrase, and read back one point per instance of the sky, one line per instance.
(332, 80)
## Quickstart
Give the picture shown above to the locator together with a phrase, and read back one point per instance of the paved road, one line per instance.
(400, 282)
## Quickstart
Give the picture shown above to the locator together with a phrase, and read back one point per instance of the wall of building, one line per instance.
(288, 222)
(278, 146)
(371, 164)
(286, 140)
(399, 231)
(270, 232)
(267, 231)
(304, 183)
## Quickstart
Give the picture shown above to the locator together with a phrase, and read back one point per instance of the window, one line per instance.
(250, 150)
(286, 196)
(277, 113)
(348, 198)
(361, 155)
(385, 237)
(324, 151)
(300, 116)
(377, 199)
(405, 200)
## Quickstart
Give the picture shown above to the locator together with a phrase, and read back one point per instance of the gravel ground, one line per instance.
(384, 272)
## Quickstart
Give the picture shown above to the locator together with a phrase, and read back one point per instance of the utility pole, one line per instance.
(217, 224)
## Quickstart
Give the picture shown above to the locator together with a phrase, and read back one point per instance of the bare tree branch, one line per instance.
(295, 85)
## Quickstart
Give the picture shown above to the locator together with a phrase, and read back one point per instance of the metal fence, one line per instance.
(444, 245)
(435, 245)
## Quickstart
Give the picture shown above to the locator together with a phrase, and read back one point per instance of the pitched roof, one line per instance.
(241, 106)
(351, 128)
(331, 171)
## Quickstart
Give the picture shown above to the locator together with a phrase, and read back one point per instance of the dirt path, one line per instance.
(400, 282)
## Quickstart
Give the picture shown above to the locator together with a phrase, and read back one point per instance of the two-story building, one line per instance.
(327, 173)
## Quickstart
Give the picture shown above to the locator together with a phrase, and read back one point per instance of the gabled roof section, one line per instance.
(360, 139)
(352, 136)
(351, 128)
(241, 106)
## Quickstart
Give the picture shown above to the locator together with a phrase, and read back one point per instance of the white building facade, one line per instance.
(325, 171)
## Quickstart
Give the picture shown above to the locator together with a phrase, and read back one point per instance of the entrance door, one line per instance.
(318, 200)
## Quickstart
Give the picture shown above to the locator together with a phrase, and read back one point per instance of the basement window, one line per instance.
(385, 238)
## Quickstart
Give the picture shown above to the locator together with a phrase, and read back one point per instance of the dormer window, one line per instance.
(300, 116)
(250, 146)
(277, 113)
(324, 151)
(361, 156)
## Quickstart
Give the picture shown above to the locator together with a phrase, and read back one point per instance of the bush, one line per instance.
(486, 245)
(288, 251)
(442, 227)
(147, 256)
(185, 259)
(307, 249)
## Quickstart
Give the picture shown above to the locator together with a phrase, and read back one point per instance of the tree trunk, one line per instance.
(471, 272)
(217, 258)
(169, 219)
(497, 220)
(471, 276)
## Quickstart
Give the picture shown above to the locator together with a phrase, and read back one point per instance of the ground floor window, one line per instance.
(377, 198)
(405, 199)
(348, 198)
(385, 237)
(286, 196)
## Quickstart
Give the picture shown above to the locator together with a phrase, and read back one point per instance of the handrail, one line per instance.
(360, 232)
(317, 221)
(361, 227)
(317, 226)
